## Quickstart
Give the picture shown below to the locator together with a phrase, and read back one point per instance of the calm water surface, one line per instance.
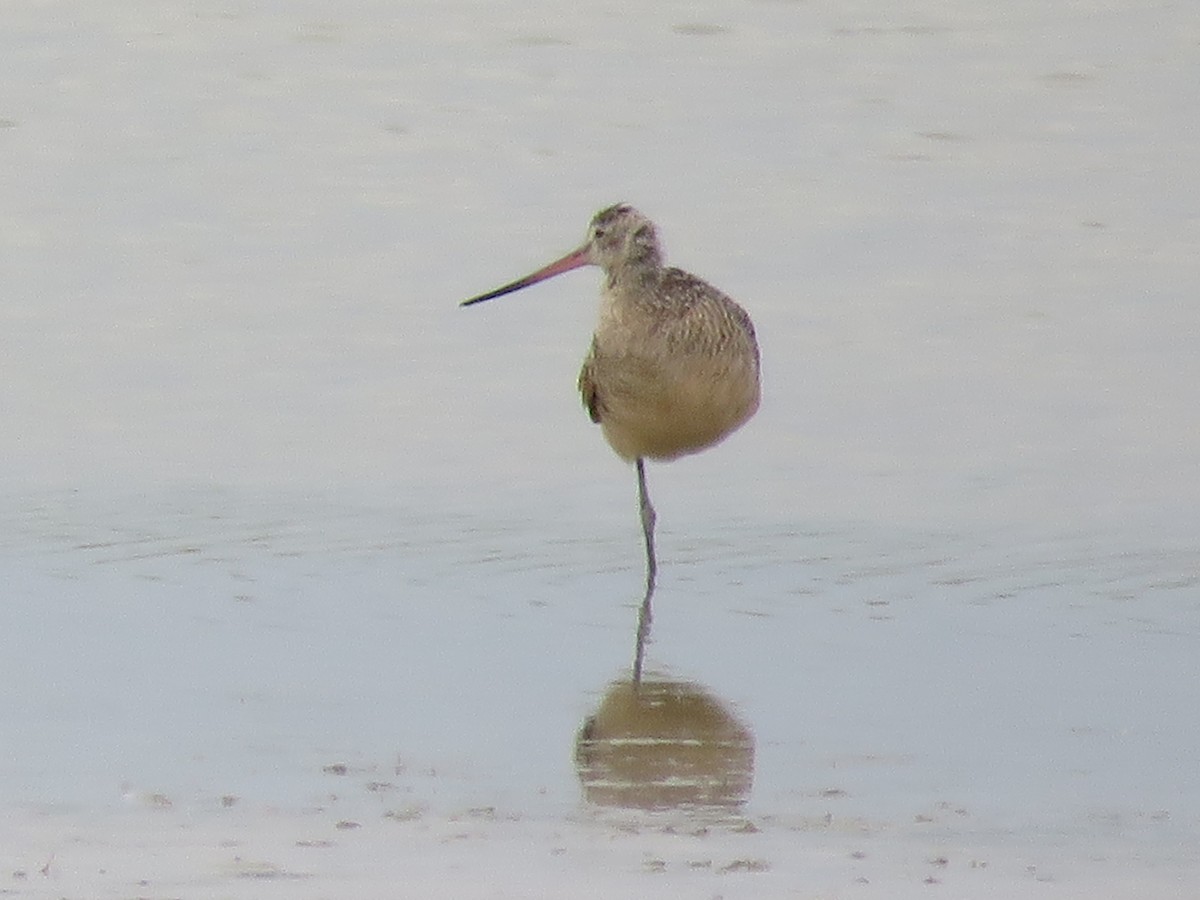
(280, 522)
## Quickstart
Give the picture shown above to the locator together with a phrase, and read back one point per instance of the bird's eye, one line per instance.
(598, 232)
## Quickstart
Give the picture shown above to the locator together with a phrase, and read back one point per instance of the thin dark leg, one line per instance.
(644, 616)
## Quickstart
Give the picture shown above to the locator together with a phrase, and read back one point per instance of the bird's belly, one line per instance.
(667, 417)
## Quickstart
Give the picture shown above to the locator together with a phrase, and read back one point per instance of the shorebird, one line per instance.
(673, 367)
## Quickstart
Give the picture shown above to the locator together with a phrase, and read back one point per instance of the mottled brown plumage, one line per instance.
(673, 366)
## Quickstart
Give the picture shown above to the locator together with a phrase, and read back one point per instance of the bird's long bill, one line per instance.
(572, 260)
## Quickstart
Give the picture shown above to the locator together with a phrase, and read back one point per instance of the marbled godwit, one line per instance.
(673, 366)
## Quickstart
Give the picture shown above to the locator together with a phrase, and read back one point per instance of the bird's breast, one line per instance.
(658, 396)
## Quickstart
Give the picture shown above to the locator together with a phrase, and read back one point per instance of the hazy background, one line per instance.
(271, 501)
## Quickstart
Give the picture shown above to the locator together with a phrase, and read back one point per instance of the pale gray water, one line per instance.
(273, 503)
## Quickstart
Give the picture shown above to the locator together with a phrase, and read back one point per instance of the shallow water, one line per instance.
(291, 541)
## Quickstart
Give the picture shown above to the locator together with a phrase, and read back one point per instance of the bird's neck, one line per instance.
(634, 277)
(629, 296)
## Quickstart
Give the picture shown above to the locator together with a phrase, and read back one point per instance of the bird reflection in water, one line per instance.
(664, 744)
